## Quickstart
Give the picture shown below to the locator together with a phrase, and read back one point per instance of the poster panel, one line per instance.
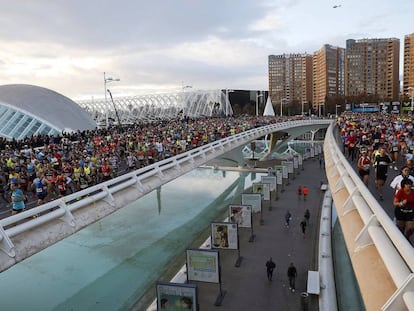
(289, 167)
(224, 235)
(253, 199)
(271, 180)
(241, 215)
(263, 189)
(300, 159)
(279, 174)
(312, 152)
(285, 174)
(295, 161)
(203, 265)
(176, 296)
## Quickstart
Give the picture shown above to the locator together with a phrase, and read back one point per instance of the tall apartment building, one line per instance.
(290, 79)
(408, 75)
(328, 74)
(372, 68)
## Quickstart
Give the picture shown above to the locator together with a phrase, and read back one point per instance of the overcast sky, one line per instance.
(165, 44)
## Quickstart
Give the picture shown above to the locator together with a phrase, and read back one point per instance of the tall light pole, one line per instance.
(281, 106)
(257, 103)
(320, 110)
(410, 88)
(108, 80)
(336, 110)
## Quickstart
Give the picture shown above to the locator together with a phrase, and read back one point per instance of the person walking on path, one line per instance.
(303, 226)
(299, 191)
(305, 192)
(288, 217)
(270, 266)
(292, 274)
(307, 216)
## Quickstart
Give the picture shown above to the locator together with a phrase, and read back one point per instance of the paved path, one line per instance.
(247, 287)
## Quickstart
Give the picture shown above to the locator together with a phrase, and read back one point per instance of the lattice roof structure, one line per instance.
(161, 106)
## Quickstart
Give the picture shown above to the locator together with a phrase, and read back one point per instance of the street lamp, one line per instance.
(336, 110)
(281, 106)
(320, 110)
(257, 103)
(412, 98)
(108, 80)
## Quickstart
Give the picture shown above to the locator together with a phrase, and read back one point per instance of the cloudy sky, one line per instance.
(165, 44)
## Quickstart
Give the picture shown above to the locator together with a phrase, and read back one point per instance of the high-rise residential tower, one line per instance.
(290, 79)
(408, 77)
(372, 68)
(328, 74)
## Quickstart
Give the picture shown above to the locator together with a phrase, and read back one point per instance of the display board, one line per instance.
(241, 215)
(176, 296)
(253, 199)
(203, 265)
(224, 235)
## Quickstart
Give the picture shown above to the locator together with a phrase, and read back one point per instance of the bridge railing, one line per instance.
(143, 180)
(379, 230)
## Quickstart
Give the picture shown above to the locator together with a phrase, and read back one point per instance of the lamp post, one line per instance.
(281, 106)
(108, 80)
(410, 88)
(336, 110)
(320, 110)
(257, 103)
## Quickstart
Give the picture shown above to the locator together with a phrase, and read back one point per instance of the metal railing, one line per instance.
(379, 230)
(142, 181)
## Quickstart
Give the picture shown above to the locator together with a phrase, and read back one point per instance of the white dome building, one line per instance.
(27, 110)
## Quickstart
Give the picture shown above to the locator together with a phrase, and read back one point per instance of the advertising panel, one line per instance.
(224, 235)
(263, 189)
(271, 180)
(176, 296)
(203, 265)
(241, 215)
(253, 199)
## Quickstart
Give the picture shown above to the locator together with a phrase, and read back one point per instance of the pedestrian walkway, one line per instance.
(247, 287)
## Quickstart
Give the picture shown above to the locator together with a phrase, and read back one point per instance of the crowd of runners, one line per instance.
(383, 143)
(48, 167)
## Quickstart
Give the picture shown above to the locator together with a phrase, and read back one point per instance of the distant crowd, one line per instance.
(47, 167)
(381, 142)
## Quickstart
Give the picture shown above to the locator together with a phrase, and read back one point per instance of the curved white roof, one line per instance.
(27, 109)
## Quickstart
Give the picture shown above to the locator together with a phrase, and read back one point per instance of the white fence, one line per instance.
(379, 230)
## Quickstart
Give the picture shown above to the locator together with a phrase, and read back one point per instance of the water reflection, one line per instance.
(118, 258)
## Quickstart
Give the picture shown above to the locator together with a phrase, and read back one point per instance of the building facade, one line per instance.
(408, 74)
(372, 68)
(328, 74)
(290, 81)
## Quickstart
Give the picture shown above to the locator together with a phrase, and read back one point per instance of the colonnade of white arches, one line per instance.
(161, 106)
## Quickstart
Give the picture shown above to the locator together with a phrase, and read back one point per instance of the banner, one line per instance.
(176, 296)
(224, 235)
(253, 199)
(263, 189)
(203, 265)
(241, 215)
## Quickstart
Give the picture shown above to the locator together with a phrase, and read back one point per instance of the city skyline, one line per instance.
(66, 46)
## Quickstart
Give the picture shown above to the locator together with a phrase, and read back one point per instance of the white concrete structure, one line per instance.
(27, 110)
(161, 106)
